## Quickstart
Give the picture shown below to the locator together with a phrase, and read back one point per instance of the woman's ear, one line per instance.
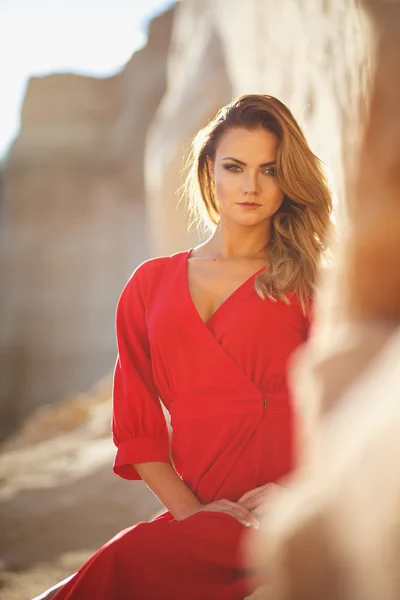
(210, 166)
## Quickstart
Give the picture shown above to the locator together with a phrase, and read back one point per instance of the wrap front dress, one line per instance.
(224, 384)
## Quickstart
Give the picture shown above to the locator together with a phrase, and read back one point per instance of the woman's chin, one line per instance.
(249, 220)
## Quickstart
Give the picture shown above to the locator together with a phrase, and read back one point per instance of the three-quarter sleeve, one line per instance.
(139, 428)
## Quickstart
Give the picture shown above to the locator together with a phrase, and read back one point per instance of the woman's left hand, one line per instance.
(254, 499)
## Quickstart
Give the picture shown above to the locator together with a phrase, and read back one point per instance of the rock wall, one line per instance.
(197, 85)
(73, 226)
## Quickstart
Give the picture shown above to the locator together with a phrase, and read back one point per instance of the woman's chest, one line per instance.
(243, 325)
(210, 284)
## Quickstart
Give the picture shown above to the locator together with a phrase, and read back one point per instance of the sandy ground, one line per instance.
(60, 501)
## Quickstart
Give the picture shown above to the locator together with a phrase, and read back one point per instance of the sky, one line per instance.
(91, 37)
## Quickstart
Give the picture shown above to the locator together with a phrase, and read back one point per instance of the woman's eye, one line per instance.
(232, 168)
(270, 171)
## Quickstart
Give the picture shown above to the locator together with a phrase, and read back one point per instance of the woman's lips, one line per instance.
(249, 205)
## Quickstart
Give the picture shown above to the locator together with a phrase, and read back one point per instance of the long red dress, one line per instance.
(224, 384)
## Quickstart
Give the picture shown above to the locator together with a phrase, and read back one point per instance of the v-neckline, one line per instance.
(228, 299)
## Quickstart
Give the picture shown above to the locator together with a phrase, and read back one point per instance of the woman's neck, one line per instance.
(237, 242)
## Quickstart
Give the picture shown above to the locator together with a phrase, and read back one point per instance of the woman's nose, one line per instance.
(251, 184)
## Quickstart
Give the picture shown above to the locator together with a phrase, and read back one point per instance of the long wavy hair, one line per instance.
(299, 228)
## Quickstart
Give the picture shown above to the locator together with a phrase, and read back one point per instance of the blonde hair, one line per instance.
(299, 227)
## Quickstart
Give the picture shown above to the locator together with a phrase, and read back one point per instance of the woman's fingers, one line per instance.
(242, 510)
(254, 492)
(238, 511)
(255, 501)
(241, 513)
(247, 519)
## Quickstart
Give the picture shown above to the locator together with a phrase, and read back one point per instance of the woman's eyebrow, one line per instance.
(240, 162)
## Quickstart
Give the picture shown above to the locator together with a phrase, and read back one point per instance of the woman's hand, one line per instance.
(238, 511)
(254, 499)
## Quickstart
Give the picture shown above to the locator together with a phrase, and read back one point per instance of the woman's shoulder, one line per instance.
(152, 270)
(153, 266)
(150, 267)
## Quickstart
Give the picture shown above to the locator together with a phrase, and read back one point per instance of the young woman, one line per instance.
(209, 332)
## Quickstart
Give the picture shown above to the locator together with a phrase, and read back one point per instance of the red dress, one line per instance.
(224, 385)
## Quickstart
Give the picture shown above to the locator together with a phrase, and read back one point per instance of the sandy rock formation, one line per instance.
(73, 226)
(197, 86)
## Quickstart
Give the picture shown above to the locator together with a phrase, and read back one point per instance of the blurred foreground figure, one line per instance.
(334, 532)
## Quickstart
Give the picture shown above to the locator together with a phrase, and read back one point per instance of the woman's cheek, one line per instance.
(223, 190)
(274, 191)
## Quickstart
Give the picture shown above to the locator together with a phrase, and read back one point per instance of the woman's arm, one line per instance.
(139, 428)
(169, 488)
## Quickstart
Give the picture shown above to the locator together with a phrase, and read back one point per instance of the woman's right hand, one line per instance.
(235, 510)
(180, 501)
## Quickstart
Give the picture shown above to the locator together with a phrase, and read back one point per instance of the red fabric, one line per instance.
(224, 384)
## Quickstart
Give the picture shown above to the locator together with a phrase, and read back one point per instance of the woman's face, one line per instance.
(246, 188)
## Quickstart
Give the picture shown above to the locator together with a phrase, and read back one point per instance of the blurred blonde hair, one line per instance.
(299, 227)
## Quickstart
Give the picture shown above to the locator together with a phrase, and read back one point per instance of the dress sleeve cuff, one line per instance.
(139, 450)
